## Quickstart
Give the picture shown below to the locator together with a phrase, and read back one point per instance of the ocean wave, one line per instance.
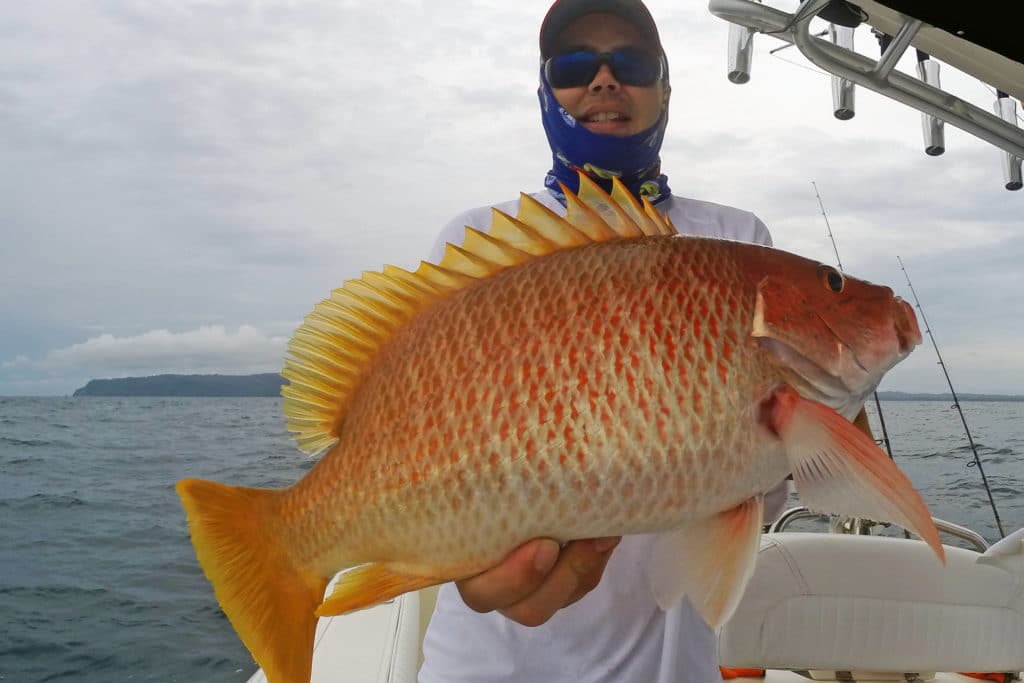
(10, 441)
(924, 456)
(105, 530)
(55, 500)
(56, 590)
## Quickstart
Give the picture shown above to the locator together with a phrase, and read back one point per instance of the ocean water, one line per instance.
(98, 580)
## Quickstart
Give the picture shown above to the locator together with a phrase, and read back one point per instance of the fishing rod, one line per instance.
(956, 402)
(878, 403)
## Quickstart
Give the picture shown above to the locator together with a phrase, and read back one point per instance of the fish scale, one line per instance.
(640, 416)
(578, 377)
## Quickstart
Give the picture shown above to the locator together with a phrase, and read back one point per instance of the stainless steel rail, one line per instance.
(876, 75)
(863, 526)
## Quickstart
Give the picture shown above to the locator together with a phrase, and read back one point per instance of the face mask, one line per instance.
(632, 159)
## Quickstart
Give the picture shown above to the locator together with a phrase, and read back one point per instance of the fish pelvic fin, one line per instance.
(838, 469)
(371, 585)
(330, 352)
(269, 602)
(710, 561)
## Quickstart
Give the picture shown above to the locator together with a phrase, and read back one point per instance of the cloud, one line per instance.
(208, 349)
(180, 177)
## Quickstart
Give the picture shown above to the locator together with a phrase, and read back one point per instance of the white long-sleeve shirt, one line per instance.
(690, 216)
(616, 633)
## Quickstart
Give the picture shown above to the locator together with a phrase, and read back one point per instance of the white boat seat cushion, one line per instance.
(867, 603)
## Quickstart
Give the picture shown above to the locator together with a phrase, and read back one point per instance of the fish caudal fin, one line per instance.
(709, 561)
(839, 469)
(270, 603)
(370, 585)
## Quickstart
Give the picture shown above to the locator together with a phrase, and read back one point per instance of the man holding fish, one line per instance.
(604, 94)
(577, 371)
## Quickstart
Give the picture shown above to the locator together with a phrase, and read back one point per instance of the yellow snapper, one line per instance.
(577, 377)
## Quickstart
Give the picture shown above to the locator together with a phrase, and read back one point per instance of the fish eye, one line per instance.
(831, 278)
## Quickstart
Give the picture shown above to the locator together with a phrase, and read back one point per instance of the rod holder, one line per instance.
(932, 128)
(1006, 109)
(741, 48)
(842, 89)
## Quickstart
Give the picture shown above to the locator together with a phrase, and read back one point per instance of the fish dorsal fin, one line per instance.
(330, 351)
(623, 211)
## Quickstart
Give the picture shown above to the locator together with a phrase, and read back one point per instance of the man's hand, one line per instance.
(539, 578)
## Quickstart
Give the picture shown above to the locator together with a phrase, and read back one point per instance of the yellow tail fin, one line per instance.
(270, 603)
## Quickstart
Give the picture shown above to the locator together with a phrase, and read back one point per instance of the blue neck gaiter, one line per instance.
(632, 159)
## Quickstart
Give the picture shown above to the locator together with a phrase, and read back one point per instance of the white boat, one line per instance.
(822, 606)
(844, 604)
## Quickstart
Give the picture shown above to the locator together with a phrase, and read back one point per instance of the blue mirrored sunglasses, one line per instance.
(629, 65)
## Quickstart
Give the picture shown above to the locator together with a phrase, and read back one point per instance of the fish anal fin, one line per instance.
(371, 585)
(269, 601)
(838, 469)
(710, 561)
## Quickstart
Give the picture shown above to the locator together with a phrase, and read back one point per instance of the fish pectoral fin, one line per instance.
(839, 469)
(370, 585)
(710, 561)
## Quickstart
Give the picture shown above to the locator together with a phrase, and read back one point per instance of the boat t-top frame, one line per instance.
(1001, 67)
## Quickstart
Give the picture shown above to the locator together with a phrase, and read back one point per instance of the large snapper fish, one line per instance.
(587, 376)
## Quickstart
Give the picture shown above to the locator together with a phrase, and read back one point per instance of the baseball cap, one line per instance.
(564, 12)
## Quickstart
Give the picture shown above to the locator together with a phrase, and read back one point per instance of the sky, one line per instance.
(182, 181)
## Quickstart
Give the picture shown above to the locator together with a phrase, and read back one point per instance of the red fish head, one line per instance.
(834, 336)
